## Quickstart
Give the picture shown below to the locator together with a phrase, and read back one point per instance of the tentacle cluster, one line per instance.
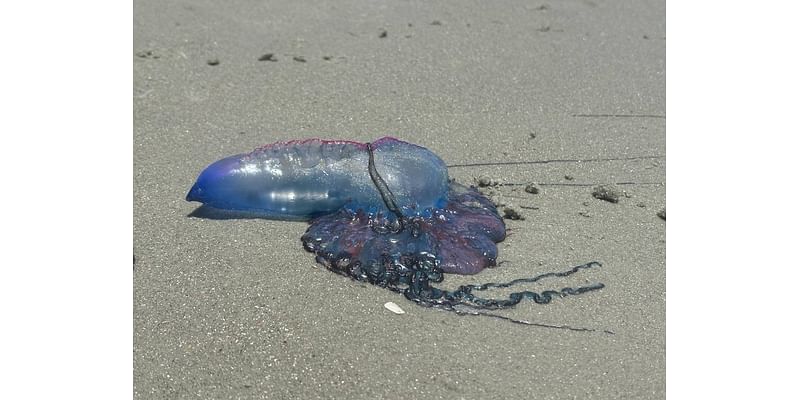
(410, 255)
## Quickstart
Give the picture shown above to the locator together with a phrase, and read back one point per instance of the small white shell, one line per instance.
(394, 308)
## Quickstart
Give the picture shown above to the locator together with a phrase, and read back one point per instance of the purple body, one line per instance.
(353, 231)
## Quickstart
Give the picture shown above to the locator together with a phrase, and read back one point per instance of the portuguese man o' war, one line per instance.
(384, 212)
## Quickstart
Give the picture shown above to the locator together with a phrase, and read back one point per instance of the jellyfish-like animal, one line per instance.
(384, 212)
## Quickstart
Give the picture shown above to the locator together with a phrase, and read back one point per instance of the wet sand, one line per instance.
(237, 309)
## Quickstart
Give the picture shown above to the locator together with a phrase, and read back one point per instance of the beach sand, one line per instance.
(237, 309)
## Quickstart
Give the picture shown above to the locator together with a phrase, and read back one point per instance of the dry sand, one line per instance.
(237, 309)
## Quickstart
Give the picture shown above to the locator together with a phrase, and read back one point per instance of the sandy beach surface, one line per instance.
(236, 309)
